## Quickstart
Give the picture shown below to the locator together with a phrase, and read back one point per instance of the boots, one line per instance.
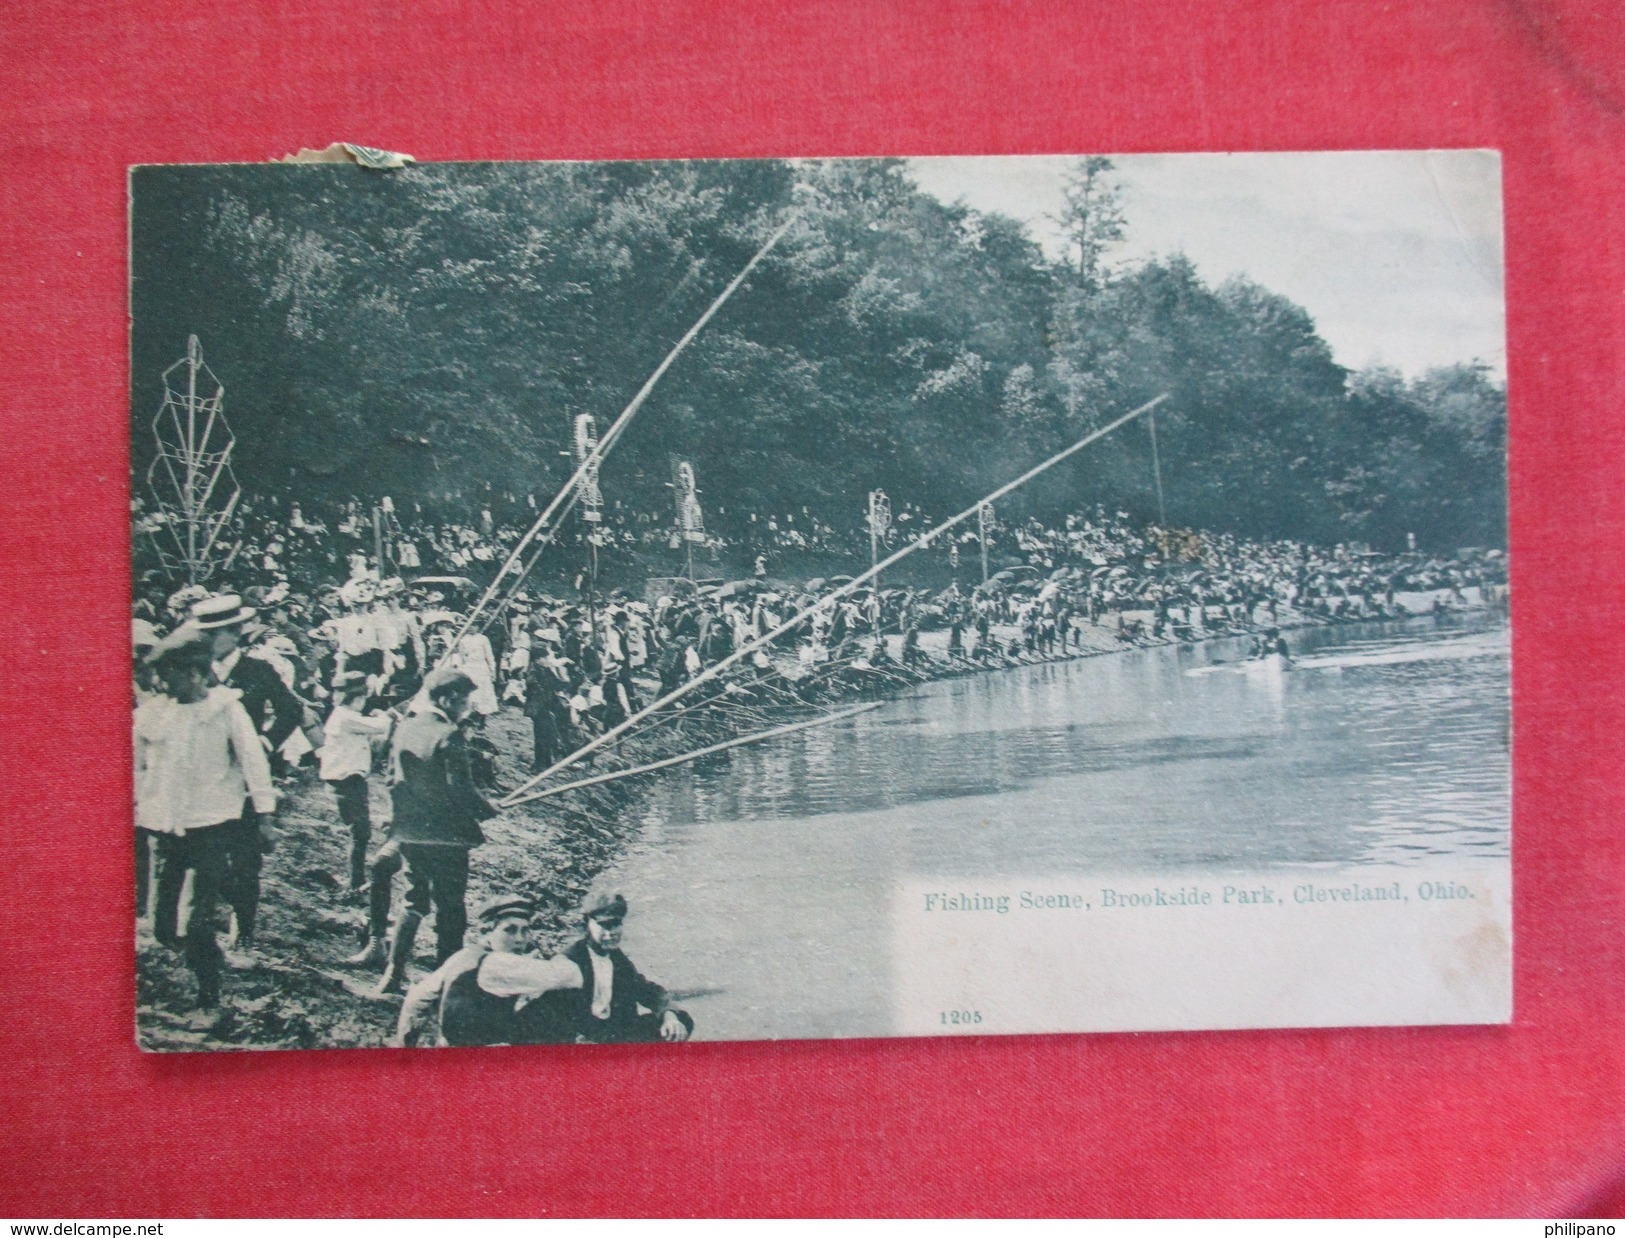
(400, 953)
(374, 954)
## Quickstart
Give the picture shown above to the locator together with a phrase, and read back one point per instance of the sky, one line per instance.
(1397, 255)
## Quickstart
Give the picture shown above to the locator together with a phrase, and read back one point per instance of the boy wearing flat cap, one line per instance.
(611, 1002)
(346, 759)
(452, 998)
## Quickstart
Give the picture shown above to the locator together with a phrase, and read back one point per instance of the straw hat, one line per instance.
(223, 610)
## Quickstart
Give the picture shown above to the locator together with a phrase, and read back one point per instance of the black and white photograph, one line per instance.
(652, 601)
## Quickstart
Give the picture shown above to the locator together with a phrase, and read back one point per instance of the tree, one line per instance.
(1424, 457)
(1091, 218)
(1022, 405)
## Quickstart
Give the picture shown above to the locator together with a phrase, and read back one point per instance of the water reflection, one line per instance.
(1374, 747)
(767, 871)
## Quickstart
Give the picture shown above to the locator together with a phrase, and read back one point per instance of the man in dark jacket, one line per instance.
(613, 1003)
(548, 689)
(438, 811)
(271, 705)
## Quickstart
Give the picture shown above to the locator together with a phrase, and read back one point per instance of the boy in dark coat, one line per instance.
(438, 811)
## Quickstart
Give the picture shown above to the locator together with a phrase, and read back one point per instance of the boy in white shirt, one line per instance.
(346, 760)
(201, 780)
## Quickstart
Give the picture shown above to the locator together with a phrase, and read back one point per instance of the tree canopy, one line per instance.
(432, 333)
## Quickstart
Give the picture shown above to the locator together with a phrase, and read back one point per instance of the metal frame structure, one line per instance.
(194, 447)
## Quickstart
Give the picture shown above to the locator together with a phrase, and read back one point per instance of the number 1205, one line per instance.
(961, 1017)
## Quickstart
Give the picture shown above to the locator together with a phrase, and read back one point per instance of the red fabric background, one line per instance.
(1526, 1119)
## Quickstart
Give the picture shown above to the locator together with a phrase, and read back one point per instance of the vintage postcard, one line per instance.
(580, 603)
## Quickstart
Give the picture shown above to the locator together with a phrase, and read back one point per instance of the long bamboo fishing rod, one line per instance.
(778, 696)
(548, 538)
(773, 695)
(682, 759)
(750, 647)
(596, 455)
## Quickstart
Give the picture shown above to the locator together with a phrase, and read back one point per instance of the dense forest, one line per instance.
(431, 333)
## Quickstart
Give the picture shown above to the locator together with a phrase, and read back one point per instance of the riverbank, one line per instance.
(549, 851)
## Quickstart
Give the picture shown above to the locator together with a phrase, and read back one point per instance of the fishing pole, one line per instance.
(542, 543)
(750, 647)
(591, 459)
(683, 758)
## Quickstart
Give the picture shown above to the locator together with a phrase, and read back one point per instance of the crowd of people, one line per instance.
(307, 544)
(340, 647)
(224, 721)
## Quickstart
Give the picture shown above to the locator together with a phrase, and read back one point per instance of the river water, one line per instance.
(761, 882)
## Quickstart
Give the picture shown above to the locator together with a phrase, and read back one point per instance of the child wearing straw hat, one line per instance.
(201, 775)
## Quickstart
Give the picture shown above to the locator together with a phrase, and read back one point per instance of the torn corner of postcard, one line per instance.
(349, 152)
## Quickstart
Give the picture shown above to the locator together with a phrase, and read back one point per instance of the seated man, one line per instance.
(492, 993)
(611, 1002)
(478, 1017)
